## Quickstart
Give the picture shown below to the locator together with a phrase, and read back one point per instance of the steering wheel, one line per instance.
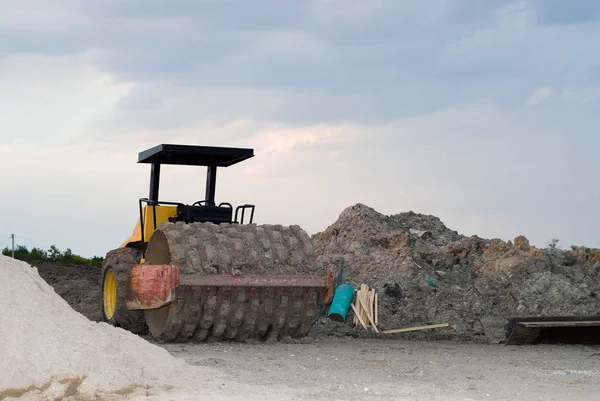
(199, 203)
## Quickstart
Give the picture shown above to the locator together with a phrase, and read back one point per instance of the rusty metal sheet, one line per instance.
(151, 286)
(154, 286)
(253, 281)
(565, 329)
(584, 323)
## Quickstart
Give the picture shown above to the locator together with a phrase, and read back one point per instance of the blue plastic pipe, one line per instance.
(341, 302)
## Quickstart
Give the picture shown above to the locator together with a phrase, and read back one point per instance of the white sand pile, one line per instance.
(49, 351)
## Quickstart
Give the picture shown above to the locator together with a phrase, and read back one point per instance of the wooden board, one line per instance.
(357, 314)
(365, 308)
(418, 328)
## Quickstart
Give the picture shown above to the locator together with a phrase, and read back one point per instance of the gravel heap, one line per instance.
(426, 273)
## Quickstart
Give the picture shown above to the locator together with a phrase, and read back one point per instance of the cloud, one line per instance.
(52, 99)
(309, 62)
(399, 105)
(501, 184)
(558, 12)
(349, 63)
(584, 96)
(539, 95)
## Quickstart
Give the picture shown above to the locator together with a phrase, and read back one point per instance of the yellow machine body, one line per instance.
(163, 213)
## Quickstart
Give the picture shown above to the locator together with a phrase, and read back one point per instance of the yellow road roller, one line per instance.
(205, 271)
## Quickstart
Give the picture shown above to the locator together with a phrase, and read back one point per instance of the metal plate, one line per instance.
(151, 286)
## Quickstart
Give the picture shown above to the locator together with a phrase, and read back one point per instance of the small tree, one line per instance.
(54, 254)
(38, 254)
(67, 257)
(97, 261)
(22, 253)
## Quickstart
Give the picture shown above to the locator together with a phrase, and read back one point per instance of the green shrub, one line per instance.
(52, 255)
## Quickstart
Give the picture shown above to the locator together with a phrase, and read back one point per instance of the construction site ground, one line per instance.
(331, 364)
(397, 369)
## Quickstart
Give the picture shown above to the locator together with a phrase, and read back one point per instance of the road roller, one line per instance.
(206, 271)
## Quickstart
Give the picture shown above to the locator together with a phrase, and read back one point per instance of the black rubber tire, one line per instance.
(120, 261)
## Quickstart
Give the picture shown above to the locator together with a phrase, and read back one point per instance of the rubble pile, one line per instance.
(426, 273)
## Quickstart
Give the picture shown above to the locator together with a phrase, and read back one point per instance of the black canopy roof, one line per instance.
(190, 155)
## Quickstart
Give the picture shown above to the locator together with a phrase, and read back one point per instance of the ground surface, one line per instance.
(346, 368)
(363, 369)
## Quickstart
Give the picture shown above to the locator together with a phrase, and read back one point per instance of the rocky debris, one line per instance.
(327, 327)
(426, 273)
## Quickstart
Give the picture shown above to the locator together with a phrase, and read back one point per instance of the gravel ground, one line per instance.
(368, 369)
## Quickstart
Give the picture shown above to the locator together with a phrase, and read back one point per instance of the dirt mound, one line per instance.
(376, 245)
(78, 285)
(426, 273)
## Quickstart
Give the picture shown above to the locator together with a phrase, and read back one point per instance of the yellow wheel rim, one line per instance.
(110, 294)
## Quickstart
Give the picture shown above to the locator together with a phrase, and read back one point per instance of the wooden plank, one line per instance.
(357, 314)
(355, 304)
(354, 320)
(418, 328)
(366, 302)
(361, 308)
(376, 309)
(372, 305)
(370, 319)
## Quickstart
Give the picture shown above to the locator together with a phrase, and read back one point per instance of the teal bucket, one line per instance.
(341, 302)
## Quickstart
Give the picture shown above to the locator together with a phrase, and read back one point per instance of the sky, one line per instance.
(483, 113)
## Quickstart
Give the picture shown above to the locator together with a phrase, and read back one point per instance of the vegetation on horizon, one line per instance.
(53, 255)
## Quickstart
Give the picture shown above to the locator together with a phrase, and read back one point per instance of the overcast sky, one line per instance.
(483, 113)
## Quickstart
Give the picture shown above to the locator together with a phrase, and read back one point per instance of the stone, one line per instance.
(522, 243)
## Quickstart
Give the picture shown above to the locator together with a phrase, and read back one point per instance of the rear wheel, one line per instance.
(113, 291)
